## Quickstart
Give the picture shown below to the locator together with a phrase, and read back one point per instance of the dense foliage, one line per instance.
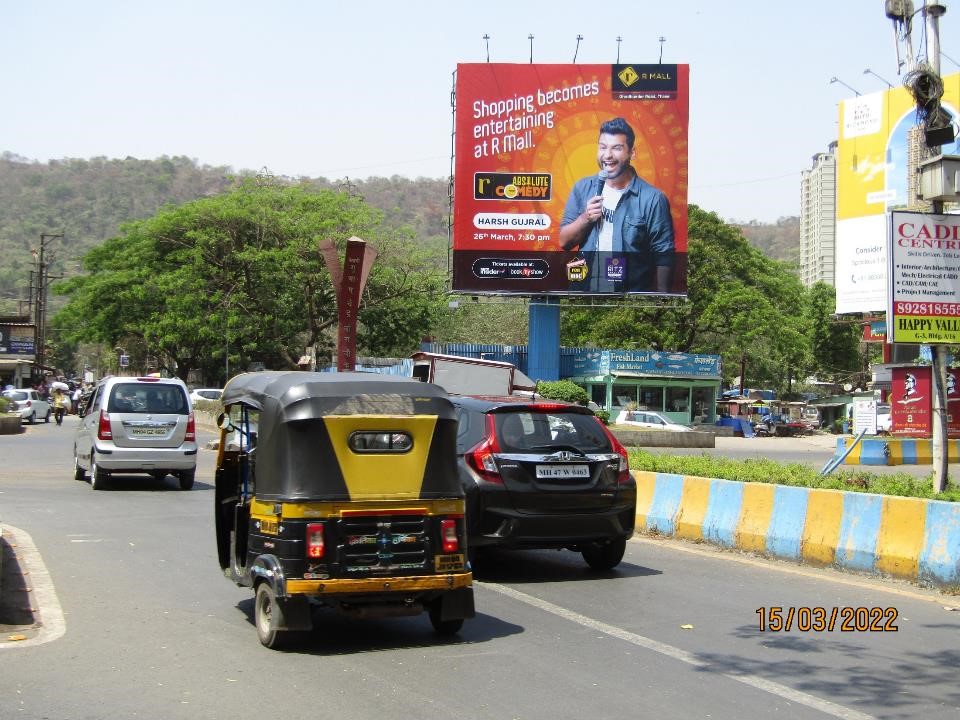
(563, 390)
(237, 278)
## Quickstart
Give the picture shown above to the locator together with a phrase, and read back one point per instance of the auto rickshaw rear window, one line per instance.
(365, 441)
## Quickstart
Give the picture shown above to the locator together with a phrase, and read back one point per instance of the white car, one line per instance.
(137, 425)
(650, 420)
(205, 394)
(29, 405)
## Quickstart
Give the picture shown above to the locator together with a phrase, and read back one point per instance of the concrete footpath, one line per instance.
(908, 538)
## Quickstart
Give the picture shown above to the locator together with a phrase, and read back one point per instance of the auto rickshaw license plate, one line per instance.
(448, 563)
(546, 472)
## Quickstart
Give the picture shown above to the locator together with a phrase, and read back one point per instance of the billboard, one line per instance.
(546, 203)
(911, 401)
(878, 151)
(924, 278)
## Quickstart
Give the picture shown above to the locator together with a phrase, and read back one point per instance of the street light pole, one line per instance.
(835, 79)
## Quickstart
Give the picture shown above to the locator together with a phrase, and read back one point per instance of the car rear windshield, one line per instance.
(148, 398)
(528, 430)
(17, 396)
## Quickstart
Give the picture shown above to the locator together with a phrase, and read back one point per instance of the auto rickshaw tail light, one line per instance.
(623, 470)
(450, 542)
(481, 456)
(103, 428)
(315, 547)
(191, 435)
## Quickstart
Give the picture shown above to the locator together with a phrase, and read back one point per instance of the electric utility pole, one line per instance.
(40, 305)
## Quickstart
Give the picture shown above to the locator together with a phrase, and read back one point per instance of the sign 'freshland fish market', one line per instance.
(647, 362)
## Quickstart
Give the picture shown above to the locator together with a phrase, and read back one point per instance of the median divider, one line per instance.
(894, 451)
(908, 538)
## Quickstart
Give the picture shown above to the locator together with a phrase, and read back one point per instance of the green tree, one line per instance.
(238, 278)
(834, 344)
(740, 304)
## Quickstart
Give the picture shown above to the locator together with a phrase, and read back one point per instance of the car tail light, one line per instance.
(623, 469)
(103, 428)
(315, 547)
(191, 428)
(29, 403)
(448, 536)
(480, 457)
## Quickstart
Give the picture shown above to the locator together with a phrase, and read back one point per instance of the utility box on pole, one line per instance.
(940, 178)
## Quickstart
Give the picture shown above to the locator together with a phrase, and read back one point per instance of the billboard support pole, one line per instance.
(543, 329)
(939, 442)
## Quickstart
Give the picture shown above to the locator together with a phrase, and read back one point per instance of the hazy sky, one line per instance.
(362, 88)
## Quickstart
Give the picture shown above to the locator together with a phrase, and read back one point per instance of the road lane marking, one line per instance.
(774, 688)
(52, 623)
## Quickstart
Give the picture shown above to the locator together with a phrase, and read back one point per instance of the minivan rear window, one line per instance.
(148, 398)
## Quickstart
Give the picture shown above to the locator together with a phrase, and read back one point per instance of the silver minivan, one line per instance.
(137, 425)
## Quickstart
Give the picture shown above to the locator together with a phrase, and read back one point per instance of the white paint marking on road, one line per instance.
(91, 540)
(774, 688)
(53, 625)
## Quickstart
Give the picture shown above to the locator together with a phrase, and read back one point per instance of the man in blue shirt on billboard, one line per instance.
(620, 223)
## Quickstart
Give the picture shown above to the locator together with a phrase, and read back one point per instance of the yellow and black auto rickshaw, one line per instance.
(341, 489)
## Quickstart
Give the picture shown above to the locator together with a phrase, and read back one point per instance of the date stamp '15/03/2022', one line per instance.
(821, 619)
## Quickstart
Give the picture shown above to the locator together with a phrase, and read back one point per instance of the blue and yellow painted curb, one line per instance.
(908, 538)
(894, 451)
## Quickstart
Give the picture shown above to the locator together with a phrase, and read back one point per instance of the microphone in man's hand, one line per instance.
(601, 181)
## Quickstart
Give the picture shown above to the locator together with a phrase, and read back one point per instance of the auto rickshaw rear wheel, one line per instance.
(268, 617)
(443, 627)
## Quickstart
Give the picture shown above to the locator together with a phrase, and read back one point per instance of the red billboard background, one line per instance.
(911, 401)
(525, 134)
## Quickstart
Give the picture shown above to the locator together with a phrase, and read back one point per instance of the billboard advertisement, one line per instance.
(570, 179)
(911, 401)
(879, 149)
(924, 278)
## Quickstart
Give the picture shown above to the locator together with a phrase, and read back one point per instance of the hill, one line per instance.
(779, 241)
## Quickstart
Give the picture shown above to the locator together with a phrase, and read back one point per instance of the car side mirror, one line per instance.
(223, 422)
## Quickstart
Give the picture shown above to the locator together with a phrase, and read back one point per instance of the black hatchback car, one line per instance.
(542, 474)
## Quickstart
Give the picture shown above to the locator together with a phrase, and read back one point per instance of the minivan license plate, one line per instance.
(547, 472)
(147, 431)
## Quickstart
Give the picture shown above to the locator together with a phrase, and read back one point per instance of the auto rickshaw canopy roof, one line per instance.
(305, 421)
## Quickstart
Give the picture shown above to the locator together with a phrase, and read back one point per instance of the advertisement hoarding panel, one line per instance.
(528, 156)
(953, 402)
(877, 152)
(924, 278)
(911, 401)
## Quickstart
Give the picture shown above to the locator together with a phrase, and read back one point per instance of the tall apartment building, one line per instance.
(818, 218)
